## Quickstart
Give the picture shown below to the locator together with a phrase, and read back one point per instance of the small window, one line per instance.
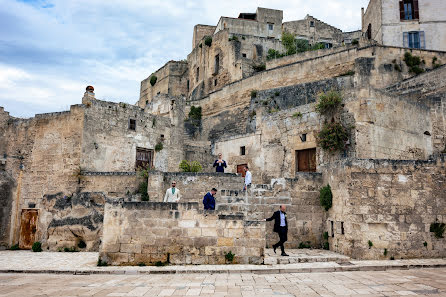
(414, 39)
(244, 55)
(303, 137)
(328, 45)
(332, 228)
(147, 102)
(311, 23)
(162, 136)
(198, 73)
(132, 124)
(270, 27)
(144, 158)
(242, 151)
(215, 82)
(342, 228)
(188, 85)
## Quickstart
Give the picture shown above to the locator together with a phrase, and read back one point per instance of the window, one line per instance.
(332, 228)
(414, 39)
(244, 55)
(198, 73)
(144, 158)
(242, 151)
(369, 32)
(409, 10)
(147, 102)
(311, 23)
(188, 85)
(217, 64)
(215, 82)
(270, 27)
(342, 228)
(132, 124)
(306, 160)
(328, 45)
(303, 137)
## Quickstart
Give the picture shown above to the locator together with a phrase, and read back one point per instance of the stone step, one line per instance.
(303, 256)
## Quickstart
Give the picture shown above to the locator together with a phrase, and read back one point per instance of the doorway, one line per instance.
(28, 228)
(306, 160)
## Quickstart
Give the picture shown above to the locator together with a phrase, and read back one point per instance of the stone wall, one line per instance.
(70, 220)
(391, 203)
(177, 233)
(6, 203)
(112, 184)
(200, 31)
(319, 32)
(300, 194)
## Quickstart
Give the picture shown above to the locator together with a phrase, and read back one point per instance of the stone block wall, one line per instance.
(6, 203)
(392, 203)
(177, 233)
(112, 184)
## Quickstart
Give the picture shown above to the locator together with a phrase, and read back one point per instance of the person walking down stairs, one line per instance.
(281, 228)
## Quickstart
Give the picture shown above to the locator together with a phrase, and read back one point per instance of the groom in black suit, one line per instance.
(281, 227)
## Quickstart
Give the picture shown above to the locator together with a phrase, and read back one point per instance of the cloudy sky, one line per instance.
(50, 50)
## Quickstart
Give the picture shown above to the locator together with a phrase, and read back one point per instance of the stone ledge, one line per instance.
(94, 173)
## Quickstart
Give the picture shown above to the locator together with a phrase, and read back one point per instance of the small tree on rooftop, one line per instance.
(153, 80)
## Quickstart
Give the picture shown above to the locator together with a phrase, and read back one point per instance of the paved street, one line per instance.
(419, 282)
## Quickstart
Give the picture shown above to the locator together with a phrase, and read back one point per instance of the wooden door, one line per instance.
(306, 160)
(144, 158)
(240, 169)
(28, 228)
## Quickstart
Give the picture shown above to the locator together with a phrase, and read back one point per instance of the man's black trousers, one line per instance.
(282, 238)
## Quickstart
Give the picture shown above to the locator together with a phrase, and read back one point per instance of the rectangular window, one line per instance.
(144, 158)
(188, 85)
(244, 55)
(306, 160)
(198, 73)
(132, 124)
(328, 45)
(409, 10)
(217, 64)
(242, 151)
(215, 82)
(270, 27)
(342, 228)
(414, 39)
(311, 23)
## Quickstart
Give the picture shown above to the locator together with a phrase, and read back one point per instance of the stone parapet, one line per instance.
(178, 233)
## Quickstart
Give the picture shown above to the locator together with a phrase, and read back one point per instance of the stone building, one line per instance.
(70, 177)
(406, 23)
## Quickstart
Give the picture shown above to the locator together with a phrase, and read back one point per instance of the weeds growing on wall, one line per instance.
(233, 38)
(304, 245)
(326, 197)
(355, 42)
(193, 166)
(333, 137)
(253, 93)
(259, 67)
(229, 257)
(208, 41)
(142, 187)
(370, 244)
(153, 80)
(293, 46)
(14, 247)
(414, 63)
(37, 247)
(328, 102)
(297, 115)
(159, 146)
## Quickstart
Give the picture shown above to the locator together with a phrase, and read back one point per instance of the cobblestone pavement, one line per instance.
(419, 282)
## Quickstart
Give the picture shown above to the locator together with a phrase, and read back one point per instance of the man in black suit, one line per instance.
(281, 227)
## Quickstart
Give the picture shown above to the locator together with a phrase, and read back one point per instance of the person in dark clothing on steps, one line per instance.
(280, 227)
(220, 164)
(209, 200)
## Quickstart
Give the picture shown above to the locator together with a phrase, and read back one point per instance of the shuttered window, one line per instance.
(414, 39)
(409, 10)
(144, 158)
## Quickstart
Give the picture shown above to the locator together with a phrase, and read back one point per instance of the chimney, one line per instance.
(88, 95)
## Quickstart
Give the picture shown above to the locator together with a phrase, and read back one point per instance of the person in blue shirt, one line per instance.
(209, 200)
(220, 164)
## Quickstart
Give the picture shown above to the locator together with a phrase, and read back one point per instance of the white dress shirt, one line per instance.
(248, 178)
(282, 219)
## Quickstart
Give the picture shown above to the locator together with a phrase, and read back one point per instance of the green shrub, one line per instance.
(276, 93)
(142, 189)
(70, 250)
(14, 247)
(200, 46)
(208, 40)
(370, 244)
(436, 66)
(297, 115)
(259, 67)
(355, 42)
(325, 235)
(233, 38)
(101, 263)
(397, 68)
(159, 146)
(153, 80)
(159, 263)
(326, 197)
(289, 42)
(328, 102)
(37, 247)
(141, 264)
(317, 46)
(438, 229)
(413, 62)
(229, 257)
(81, 244)
(304, 245)
(195, 113)
(392, 258)
(193, 166)
(253, 93)
(332, 137)
(273, 54)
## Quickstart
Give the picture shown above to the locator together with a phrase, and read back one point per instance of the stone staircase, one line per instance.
(304, 256)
